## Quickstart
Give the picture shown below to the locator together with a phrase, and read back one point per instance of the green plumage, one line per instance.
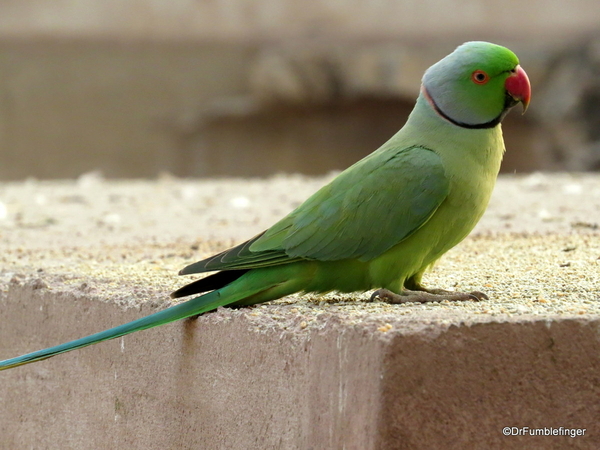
(381, 222)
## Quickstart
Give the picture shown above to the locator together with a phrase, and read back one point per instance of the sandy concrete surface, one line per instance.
(302, 372)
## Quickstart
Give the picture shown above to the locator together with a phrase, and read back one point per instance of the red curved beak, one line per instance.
(518, 87)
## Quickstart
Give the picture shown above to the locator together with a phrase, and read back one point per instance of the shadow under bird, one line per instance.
(383, 221)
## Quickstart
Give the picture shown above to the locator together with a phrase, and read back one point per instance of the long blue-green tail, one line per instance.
(198, 305)
(241, 289)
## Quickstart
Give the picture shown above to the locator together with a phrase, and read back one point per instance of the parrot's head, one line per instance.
(476, 85)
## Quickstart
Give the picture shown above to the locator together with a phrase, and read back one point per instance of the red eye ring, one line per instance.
(480, 77)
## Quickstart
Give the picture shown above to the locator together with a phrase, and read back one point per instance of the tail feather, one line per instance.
(198, 305)
(209, 283)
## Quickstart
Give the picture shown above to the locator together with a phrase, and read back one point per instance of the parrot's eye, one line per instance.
(480, 77)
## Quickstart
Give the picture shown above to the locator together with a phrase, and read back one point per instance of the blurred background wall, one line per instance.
(255, 87)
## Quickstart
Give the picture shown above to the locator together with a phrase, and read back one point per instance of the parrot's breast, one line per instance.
(471, 160)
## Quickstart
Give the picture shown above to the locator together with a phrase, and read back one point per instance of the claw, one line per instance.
(478, 296)
(374, 296)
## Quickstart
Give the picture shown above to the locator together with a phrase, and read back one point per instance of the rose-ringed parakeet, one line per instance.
(382, 222)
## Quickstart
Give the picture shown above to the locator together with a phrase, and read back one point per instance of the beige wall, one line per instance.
(276, 19)
(242, 87)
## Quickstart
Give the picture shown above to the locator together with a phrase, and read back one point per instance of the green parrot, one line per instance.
(382, 222)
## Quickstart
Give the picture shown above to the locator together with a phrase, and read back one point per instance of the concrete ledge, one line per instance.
(303, 372)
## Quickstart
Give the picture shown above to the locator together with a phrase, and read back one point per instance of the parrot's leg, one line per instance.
(426, 295)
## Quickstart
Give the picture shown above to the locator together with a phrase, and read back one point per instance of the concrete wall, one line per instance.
(303, 372)
(228, 381)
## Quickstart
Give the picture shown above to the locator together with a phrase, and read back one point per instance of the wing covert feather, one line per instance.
(366, 210)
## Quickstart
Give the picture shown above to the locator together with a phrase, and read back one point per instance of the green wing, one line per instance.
(365, 211)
